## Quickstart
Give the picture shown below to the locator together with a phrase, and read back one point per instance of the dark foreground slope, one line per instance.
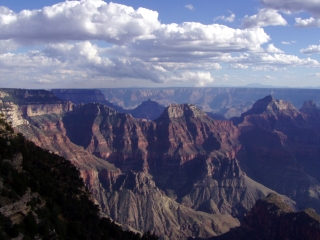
(42, 194)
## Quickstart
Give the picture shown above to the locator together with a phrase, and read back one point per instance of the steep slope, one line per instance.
(116, 194)
(193, 159)
(137, 202)
(110, 187)
(190, 156)
(271, 218)
(165, 171)
(43, 196)
(281, 149)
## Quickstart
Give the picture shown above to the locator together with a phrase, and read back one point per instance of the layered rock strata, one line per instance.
(281, 148)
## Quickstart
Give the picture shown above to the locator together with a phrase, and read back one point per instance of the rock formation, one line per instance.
(112, 188)
(271, 218)
(190, 156)
(280, 148)
(185, 174)
(149, 110)
(18, 104)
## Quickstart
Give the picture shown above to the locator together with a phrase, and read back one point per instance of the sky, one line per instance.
(147, 43)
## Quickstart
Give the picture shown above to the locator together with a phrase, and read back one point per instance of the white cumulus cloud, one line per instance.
(199, 78)
(70, 38)
(288, 6)
(272, 49)
(311, 49)
(265, 17)
(310, 22)
(78, 20)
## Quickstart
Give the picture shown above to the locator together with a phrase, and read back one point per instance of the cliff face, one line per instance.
(149, 110)
(280, 148)
(131, 198)
(137, 202)
(185, 174)
(18, 104)
(190, 156)
(271, 218)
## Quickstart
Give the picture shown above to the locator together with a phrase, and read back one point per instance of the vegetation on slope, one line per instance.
(59, 207)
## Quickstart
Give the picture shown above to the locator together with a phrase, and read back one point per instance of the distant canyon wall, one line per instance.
(229, 102)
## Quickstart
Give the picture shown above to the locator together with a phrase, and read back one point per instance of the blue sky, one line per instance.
(143, 43)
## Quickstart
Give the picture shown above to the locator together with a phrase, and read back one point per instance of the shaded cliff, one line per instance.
(281, 148)
(184, 174)
(43, 196)
(190, 156)
(149, 109)
(271, 218)
(150, 208)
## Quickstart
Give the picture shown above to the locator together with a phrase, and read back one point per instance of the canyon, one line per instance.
(178, 173)
(226, 101)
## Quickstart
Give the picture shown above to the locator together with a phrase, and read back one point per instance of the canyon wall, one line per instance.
(226, 101)
(183, 174)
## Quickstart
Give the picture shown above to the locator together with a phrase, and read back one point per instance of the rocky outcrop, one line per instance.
(280, 148)
(184, 150)
(113, 190)
(18, 104)
(137, 202)
(271, 218)
(149, 110)
(48, 132)
(163, 175)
